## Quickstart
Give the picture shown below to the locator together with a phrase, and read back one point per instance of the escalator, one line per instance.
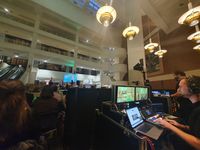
(17, 74)
(13, 72)
(4, 71)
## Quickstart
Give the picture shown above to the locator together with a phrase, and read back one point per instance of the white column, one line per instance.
(32, 75)
(135, 47)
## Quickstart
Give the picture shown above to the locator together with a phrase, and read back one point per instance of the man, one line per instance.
(178, 76)
(184, 105)
(190, 134)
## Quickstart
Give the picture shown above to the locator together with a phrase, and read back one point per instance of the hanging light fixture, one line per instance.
(106, 15)
(151, 46)
(130, 31)
(197, 47)
(160, 52)
(191, 17)
(195, 36)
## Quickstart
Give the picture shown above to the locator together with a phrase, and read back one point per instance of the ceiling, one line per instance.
(163, 14)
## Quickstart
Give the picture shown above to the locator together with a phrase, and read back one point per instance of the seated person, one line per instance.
(59, 97)
(187, 137)
(184, 105)
(45, 111)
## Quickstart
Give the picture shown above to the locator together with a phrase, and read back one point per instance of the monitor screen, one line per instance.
(69, 77)
(125, 94)
(141, 93)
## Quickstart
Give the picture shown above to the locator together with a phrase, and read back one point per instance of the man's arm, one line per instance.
(190, 139)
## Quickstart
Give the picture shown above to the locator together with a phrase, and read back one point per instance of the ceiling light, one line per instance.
(195, 36)
(106, 15)
(6, 10)
(160, 52)
(16, 56)
(191, 17)
(130, 31)
(151, 46)
(197, 47)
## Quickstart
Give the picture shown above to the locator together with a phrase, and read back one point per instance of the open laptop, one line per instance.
(138, 124)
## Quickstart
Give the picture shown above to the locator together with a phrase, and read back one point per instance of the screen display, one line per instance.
(134, 116)
(125, 94)
(141, 93)
(70, 77)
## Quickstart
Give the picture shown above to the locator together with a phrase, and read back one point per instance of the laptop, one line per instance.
(138, 124)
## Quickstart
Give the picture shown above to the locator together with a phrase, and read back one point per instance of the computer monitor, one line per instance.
(125, 94)
(141, 93)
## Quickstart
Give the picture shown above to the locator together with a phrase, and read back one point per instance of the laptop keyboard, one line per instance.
(145, 128)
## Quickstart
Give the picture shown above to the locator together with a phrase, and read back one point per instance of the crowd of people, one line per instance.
(23, 121)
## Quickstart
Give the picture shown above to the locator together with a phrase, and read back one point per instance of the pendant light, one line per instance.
(197, 47)
(195, 36)
(160, 51)
(130, 31)
(106, 15)
(151, 46)
(191, 17)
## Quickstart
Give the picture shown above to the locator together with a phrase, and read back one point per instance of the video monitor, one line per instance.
(141, 93)
(69, 77)
(125, 94)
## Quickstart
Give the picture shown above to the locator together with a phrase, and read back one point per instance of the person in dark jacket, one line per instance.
(45, 111)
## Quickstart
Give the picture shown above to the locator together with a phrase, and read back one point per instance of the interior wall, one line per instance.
(180, 55)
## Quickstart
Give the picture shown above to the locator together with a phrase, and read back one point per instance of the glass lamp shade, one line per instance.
(130, 32)
(197, 47)
(160, 52)
(151, 46)
(195, 37)
(106, 15)
(191, 17)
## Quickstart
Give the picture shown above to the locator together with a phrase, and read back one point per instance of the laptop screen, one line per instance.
(134, 116)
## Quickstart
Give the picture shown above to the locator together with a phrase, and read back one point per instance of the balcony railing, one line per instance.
(17, 19)
(17, 40)
(55, 50)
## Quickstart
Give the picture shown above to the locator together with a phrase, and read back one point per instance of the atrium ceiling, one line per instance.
(78, 14)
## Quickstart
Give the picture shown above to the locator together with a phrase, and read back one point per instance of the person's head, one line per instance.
(46, 92)
(178, 75)
(14, 109)
(189, 86)
(54, 88)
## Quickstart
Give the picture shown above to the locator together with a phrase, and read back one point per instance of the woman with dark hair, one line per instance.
(14, 113)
